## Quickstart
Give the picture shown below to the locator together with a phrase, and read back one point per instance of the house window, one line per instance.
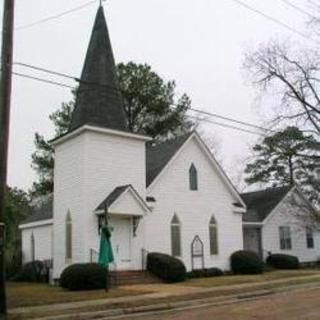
(175, 236)
(213, 236)
(193, 178)
(33, 248)
(309, 238)
(68, 236)
(285, 238)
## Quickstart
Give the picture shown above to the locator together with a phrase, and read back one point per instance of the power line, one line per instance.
(64, 75)
(42, 80)
(248, 124)
(191, 116)
(57, 16)
(113, 88)
(227, 126)
(288, 3)
(268, 17)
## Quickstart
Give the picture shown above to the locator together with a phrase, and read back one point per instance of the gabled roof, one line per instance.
(99, 102)
(261, 203)
(112, 197)
(157, 156)
(40, 212)
(115, 198)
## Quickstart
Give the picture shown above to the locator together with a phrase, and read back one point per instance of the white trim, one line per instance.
(216, 165)
(274, 211)
(239, 210)
(136, 197)
(36, 224)
(99, 130)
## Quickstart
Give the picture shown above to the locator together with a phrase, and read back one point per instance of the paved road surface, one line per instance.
(302, 305)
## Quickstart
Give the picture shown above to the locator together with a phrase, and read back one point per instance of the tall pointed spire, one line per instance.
(99, 100)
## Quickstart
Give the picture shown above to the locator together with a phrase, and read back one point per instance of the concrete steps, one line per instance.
(121, 278)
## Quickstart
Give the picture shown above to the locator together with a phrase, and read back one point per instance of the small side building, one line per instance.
(36, 232)
(279, 220)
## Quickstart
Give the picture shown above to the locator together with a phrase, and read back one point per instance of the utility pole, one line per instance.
(5, 100)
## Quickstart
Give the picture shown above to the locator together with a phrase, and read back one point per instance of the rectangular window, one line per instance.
(175, 240)
(213, 235)
(309, 238)
(285, 238)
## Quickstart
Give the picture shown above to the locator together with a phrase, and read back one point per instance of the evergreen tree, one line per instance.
(285, 158)
(151, 105)
(16, 209)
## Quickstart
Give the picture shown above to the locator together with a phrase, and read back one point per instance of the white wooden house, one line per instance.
(279, 220)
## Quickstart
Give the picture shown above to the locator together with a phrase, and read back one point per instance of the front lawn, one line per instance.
(21, 294)
(246, 279)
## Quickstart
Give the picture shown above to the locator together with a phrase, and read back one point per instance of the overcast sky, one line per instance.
(198, 43)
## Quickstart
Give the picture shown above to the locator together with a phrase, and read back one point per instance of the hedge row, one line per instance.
(283, 261)
(166, 267)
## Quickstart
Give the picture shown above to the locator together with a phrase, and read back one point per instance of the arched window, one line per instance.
(175, 236)
(213, 236)
(32, 247)
(193, 178)
(68, 236)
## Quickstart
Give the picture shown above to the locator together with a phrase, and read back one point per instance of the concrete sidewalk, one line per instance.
(163, 295)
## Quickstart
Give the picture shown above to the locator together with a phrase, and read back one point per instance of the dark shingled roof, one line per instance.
(99, 100)
(261, 203)
(157, 156)
(112, 197)
(43, 211)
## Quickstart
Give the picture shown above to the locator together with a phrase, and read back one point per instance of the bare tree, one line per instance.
(295, 77)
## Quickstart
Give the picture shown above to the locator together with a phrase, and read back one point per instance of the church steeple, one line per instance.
(99, 101)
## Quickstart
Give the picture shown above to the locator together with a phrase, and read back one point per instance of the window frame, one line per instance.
(33, 247)
(309, 238)
(68, 237)
(213, 236)
(193, 178)
(285, 238)
(175, 226)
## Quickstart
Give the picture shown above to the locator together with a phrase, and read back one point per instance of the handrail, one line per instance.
(144, 255)
(94, 254)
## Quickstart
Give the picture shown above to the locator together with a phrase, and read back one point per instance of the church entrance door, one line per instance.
(121, 241)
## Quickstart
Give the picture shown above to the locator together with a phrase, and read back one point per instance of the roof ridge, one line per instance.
(187, 134)
(267, 189)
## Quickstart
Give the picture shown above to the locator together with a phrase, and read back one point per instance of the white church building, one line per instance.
(171, 197)
(166, 198)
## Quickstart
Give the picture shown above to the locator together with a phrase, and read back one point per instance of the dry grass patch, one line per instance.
(34, 294)
(247, 279)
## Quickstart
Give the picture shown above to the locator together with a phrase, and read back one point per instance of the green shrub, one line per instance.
(214, 272)
(34, 271)
(83, 276)
(166, 267)
(246, 262)
(283, 261)
(205, 273)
